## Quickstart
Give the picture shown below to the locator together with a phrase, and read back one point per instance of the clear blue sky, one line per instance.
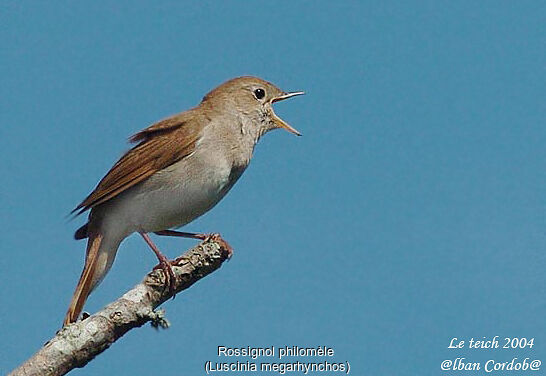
(412, 210)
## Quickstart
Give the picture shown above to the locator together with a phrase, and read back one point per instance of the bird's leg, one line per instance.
(164, 264)
(216, 237)
(181, 234)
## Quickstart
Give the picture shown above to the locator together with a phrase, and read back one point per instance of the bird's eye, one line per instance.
(259, 93)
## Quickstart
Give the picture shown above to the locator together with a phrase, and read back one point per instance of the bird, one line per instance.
(179, 168)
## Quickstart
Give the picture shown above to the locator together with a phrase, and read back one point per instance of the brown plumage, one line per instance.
(180, 168)
(161, 145)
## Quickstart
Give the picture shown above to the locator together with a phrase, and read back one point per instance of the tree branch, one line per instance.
(76, 344)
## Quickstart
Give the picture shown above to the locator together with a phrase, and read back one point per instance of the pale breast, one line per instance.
(183, 191)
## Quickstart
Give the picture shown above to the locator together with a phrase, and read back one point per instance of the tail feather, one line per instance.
(82, 232)
(98, 260)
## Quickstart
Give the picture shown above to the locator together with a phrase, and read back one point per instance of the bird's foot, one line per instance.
(170, 277)
(223, 244)
(164, 264)
(214, 237)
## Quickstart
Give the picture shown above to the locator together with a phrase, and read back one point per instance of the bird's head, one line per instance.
(251, 97)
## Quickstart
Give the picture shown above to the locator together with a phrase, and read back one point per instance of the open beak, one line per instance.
(278, 121)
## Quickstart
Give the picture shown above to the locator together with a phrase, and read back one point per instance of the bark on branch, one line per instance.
(76, 344)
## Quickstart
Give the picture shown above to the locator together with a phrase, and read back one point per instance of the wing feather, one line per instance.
(161, 126)
(162, 144)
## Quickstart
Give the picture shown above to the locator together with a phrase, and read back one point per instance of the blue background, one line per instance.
(411, 212)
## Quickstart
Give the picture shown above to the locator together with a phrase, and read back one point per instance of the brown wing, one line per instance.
(163, 126)
(162, 144)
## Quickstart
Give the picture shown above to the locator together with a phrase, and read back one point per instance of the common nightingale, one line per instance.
(180, 168)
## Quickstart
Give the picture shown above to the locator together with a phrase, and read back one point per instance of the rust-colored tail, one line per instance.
(96, 266)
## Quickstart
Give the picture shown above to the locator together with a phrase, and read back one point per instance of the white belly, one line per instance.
(172, 197)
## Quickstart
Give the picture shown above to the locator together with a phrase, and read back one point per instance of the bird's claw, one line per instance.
(223, 244)
(170, 277)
